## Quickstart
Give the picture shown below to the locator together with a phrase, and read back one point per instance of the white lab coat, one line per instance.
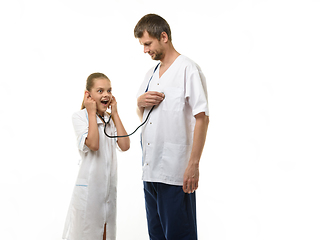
(167, 137)
(94, 197)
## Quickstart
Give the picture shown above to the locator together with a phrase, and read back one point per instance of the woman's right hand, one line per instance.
(90, 103)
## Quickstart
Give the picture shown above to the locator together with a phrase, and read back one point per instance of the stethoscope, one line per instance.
(105, 123)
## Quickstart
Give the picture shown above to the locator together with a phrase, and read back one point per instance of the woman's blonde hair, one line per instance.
(90, 83)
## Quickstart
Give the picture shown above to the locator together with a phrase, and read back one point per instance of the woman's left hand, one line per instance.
(113, 105)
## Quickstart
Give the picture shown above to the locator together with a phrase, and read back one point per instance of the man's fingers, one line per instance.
(154, 99)
(150, 98)
(160, 94)
(184, 187)
(155, 95)
(190, 185)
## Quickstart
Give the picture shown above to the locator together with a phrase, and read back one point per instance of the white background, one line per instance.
(259, 176)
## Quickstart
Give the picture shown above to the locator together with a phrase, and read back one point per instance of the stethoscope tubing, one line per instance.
(105, 125)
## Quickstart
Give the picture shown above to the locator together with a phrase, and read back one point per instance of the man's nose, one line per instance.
(146, 49)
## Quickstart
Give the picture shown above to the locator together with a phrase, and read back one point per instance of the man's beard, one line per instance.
(157, 56)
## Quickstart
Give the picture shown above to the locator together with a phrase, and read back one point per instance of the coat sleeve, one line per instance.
(81, 127)
(196, 92)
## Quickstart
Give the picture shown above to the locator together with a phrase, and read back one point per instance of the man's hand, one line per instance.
(149, 99)
(191, 178)
(191, 175)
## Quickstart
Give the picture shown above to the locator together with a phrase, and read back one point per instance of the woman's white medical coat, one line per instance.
(94, 197)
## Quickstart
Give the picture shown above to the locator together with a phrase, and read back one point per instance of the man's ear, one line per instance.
(164, 37)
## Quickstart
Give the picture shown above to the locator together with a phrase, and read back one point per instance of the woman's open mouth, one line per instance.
(105, 103)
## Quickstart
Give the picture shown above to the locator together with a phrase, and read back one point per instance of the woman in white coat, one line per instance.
(92, 211)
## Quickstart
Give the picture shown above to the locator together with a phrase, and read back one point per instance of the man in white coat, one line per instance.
(174, 136)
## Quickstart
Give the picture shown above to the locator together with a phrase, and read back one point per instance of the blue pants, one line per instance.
(171, 213)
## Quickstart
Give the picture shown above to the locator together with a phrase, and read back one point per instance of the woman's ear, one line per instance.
(87, 93)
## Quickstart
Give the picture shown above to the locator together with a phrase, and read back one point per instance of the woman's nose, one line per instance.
(107, 94)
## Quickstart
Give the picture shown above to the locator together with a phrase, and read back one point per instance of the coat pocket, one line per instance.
(80, 194)
(174, 99)
(175, 160)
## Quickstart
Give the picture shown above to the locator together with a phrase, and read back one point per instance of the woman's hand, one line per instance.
(113, 105)
(123, 142)
(92, 140)
(89, 103)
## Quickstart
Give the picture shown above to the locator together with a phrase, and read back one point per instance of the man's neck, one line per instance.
(169, 57)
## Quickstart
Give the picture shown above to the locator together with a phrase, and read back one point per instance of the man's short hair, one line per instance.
(154, 25)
